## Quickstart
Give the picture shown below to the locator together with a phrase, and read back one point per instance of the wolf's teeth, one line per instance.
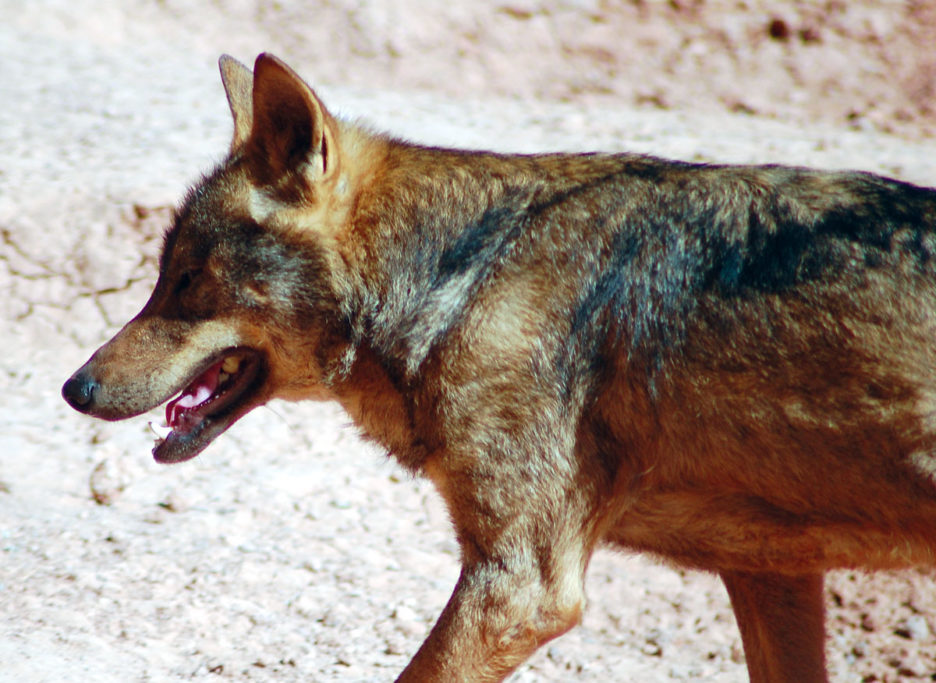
(223, 377)
(160, 431)
(230, 365)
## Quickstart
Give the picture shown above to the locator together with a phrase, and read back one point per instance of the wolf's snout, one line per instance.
(79, 390)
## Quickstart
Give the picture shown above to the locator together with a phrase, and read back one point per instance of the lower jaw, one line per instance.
(179, 447)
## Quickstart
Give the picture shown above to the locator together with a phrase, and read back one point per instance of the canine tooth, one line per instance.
(161, 431)
(230, 365)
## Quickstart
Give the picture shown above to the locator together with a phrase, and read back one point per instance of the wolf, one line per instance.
(732, 368)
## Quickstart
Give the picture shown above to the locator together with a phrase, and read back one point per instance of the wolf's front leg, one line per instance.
(495, 619)
(522, 582)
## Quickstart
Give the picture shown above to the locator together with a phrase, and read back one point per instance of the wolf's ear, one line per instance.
(291, 129)
(238, 86)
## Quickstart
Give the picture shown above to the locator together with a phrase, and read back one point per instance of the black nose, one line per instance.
(78, 391)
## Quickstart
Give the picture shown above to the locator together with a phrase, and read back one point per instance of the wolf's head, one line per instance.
(247, 304)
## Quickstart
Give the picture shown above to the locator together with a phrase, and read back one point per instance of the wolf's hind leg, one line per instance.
(782, 625)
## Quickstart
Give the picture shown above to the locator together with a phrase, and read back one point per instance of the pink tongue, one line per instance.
(197, 393)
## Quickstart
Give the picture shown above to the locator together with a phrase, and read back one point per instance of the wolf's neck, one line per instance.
(430, 228)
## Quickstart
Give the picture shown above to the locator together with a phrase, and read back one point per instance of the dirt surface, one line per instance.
(290, 551)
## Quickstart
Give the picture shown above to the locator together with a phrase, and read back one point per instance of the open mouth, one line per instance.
(212, 402)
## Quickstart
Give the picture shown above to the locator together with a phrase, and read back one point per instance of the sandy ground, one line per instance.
(289, 551)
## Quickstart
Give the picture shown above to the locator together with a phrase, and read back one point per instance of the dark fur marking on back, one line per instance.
(667, 249)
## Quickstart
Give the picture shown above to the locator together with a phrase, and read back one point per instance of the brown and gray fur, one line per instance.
(732, 368)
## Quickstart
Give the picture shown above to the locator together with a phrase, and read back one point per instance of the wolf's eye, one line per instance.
(186, 280)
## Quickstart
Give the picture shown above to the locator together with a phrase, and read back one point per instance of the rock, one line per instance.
(108, 480)
(913, 628)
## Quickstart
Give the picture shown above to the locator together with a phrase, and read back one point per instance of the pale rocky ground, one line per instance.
(289, 551)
